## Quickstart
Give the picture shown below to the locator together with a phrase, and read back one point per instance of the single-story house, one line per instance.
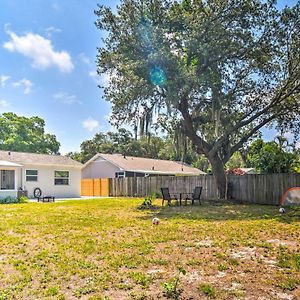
(120, 166)
(55, 175)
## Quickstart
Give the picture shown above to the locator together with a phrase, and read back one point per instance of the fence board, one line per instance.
(256, 188)
(96, 187)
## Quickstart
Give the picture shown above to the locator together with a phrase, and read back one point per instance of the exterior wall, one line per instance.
(8, 193)
(99, 169)
(46, 181)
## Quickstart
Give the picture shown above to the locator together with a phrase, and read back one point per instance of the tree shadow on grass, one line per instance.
(210, 211)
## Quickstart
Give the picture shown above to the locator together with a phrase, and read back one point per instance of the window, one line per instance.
(7, 179)
(120, 175)
(61, 177)
(31, 175)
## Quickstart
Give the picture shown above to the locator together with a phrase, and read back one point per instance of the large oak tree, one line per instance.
(26, 134)
(221, 69)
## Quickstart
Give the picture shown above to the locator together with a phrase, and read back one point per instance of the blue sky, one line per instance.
(47, 66)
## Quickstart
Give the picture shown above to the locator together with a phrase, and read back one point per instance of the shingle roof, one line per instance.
(149, 165)
(38, 159)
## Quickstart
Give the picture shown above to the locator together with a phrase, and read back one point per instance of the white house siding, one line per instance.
(99, 169)
(46, 181)
(8, 193)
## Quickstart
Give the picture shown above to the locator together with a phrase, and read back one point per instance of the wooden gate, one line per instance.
(95, 187)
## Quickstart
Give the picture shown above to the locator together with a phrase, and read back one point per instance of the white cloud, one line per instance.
(50, 30)
(3, 79)
(25, 83)
(40, 51)
(90, 124)
(94, 75)
(65, 98)
(3, 104)
(84, 58)
(102, 79)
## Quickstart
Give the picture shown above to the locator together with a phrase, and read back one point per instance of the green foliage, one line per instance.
(208, 290)
(18, 133)
(148, 201)
(287, 259)
(171, 288)
(288, 284)
(121, 142)
(150, 146)
(141, 278)
(10, 200)
(209, 68)
(269, 157)
(52, 291)
(23, 199)
(236, 161)
(222, 267)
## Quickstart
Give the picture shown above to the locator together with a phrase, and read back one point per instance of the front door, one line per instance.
(7, 179)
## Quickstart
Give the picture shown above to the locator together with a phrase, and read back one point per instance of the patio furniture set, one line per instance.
(193, 197)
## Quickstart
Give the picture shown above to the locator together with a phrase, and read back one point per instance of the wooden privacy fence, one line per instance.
(256, 188)
(95, 187)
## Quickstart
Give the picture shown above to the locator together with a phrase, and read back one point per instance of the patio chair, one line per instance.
(166, 196)
(195, 196)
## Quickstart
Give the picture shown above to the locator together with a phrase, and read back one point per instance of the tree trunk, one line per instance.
(220, 176)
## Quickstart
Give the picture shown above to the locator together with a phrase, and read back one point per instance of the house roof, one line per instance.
(148, 165)
(248, 170)
(4, 163)
(38, 159)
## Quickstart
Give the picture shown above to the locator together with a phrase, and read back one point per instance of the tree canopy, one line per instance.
(271, 157)
(221, 70)
(18, 133)
(123, 142)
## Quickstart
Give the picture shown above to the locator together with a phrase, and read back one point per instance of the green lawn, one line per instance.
(108, 249)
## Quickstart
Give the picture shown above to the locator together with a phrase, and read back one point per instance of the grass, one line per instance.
(108, 249)
(208, 290)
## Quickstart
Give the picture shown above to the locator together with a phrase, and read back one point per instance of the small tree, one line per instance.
(221, 70)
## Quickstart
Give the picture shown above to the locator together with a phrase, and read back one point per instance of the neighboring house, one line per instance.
(241, 171)
(249, 170)
(55, 175)
(117, 165)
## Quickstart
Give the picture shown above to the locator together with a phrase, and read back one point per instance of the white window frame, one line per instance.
(37, 175)
(60, 177)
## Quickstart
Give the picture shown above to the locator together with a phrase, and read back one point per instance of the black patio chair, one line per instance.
(166, 196)
(196, 195)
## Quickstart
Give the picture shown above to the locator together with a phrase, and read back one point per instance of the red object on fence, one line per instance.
(236, 171)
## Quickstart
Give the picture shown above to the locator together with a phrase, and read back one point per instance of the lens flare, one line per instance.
(158, 76)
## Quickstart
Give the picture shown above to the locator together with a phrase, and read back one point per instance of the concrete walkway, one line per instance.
(71, 199)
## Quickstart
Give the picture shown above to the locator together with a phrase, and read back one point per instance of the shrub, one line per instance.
(23, 199)
(148, 202)
(9, 200)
